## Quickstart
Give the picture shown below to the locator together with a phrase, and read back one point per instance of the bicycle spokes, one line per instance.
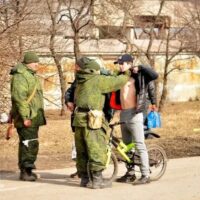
(157, 161)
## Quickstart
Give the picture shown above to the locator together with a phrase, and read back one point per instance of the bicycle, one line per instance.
(118, 151)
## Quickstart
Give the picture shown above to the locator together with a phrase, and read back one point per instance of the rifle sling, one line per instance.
(32, 95)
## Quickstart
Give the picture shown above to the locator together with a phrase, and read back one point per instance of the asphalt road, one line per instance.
(180, 182)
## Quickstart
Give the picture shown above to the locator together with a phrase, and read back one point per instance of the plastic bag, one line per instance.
(153, 120)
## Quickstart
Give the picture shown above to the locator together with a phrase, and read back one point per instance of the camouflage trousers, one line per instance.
(28, 150)
(91, 146)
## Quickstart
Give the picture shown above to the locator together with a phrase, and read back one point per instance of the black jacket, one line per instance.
(69, 94)
(144, 76)
(151, 93)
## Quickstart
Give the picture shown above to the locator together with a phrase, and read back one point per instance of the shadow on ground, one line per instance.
(44, 177)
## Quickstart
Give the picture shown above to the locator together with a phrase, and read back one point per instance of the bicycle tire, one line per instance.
(157, 161)
(110, 173)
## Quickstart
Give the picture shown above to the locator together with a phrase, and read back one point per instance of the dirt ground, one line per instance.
(180, 137)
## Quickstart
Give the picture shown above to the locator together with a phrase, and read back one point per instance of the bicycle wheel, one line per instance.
(157, 161)
(109, 174)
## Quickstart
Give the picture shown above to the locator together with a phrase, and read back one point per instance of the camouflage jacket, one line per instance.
(23, 83)
(90, 92)
(108, 111)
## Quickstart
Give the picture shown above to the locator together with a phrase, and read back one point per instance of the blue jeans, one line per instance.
(133, 131)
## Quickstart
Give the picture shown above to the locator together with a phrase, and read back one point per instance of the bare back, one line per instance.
(128, 95)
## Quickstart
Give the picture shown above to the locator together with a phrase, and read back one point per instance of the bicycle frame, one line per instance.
(157, 157)
(119, 145)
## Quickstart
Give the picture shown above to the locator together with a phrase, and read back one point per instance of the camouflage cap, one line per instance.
(30, 57)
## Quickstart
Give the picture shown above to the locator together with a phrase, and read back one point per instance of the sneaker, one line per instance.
(142, 180)
(127, 178)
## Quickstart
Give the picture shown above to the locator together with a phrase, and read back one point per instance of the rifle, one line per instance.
(10, 129)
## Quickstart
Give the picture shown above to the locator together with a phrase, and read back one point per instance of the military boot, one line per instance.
(25, 176)
(29, 171)
(84, 180)
(98, 182)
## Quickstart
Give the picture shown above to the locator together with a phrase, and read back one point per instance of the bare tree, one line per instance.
(12, 14)
(131, 18)
(54, 11)
(74, 16)
(186, 40)
(79, 14)
(155, 30)
(192, 18)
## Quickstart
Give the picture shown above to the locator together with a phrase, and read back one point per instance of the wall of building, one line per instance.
(183, 84)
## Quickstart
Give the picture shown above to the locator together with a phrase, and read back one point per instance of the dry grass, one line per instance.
(180, 119)
(177, 137)
(177, 133)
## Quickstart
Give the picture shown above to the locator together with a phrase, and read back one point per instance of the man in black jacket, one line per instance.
(133, 99)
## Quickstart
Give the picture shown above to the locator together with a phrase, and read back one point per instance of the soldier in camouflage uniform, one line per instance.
(27, 112)
(69, 102)
(91, 143)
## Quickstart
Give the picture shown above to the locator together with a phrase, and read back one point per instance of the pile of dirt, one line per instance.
(180, 137)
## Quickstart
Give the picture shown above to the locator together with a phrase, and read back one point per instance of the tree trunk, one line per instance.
(60, 74)
(152, 64)
(77, 53)
(62, 84)
(164, 94)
